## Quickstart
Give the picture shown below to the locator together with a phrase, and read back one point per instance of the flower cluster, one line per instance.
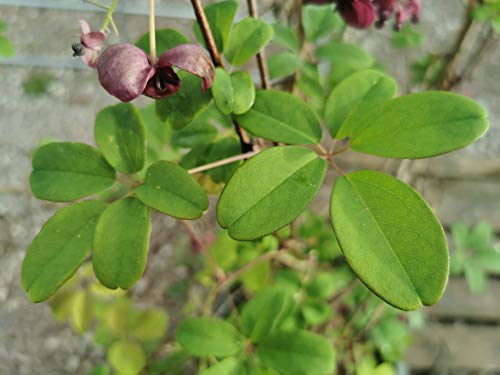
(363, 13)
(126, 72)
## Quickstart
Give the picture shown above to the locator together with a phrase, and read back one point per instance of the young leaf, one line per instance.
(58, 250)
(150, 324)
(168, 188)
(158, 134)
(243, 92)
(475, 276)
(127, 357)
(165, 40)
(282, 117)
(228, 366)
(209, 336)
(121, 136)
(390, 238)
(121, 243)
(220, 17)
(285, 37)
(420, 125)
(64, 172)
(318, 21)
(254, 204)
(309, 83)
(355, 95)
(283, 64)
(222, 91)
(81, 311)
(7, 49)
(247, 38)
(297, 353)
(265, 312)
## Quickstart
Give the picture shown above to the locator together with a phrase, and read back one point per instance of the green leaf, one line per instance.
(196, 156)
(475, 276)
(318, 21)
(243, 92)
(419, 126)
(285, 37)
(254, 204)
(3, 26)
(281, 117)
(150, 324)
(407, 37)
(127, 357)
(228, 366)
(247, 38)
(7, 49)
(316, 312)
(100, 370)
(265, 312)
(297, 353)
(58, 250)
(120, 316)
(186, 105)
(173, 364)
(81, 311)
(283, 64)
(223, 148)
(64, 172)
(165, 40)
(355, 95)
(391, 238)
(220, 17)
(169, 189)
(199, 131)
(222, 91)
(345, 59)
(121, 136)
(209, 336)
(121, 243)
(309, 84)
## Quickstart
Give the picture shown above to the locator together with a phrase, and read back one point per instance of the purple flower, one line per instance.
(357, 13)
(90, 43)
(126, 72)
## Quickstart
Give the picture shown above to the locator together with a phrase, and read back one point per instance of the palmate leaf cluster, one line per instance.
(387, 233)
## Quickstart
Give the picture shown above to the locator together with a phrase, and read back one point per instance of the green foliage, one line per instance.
(285, 37)
(38, 84)
(58, 250)
(243, 92)
(127, 357)
(283, 64)
(121, 243)
(169, 189)
(384, 227)
(488, 11)
(209, 336)
(247, 38)
(222, 91)
(165, 40)
(121, 136)
(281, 117)
(407, 37)
(319, 21)
(355, 96)
(220, 17)
(279, 197)
(7, 49)
(63, 172)
(297, 352)
(418, 126)
(475, 254)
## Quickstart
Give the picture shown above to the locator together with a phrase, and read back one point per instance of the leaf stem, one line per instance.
(152, 32)
(261, 59)
(219, 163)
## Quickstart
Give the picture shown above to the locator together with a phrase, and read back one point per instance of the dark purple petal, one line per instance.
(164, 83)
(192, 59)
(357, 13)
(124, 70)
(93, 40)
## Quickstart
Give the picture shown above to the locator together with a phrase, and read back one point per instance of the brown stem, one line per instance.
(201, 17)
(219, 163)
(261, 60)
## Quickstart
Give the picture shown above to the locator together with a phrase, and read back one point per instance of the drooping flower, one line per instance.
(90, 43)
(126, 72)
(357, 13)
